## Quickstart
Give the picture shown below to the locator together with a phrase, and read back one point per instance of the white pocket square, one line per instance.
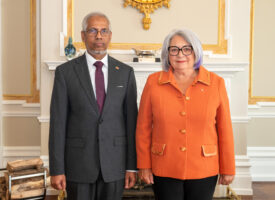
(120, 86)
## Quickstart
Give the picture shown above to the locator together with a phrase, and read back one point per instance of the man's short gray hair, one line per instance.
(189, 37)
(93, 14)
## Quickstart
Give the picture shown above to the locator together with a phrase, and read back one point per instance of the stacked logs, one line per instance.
(23, 187)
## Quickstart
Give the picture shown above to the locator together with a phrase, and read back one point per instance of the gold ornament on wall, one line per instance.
(147, 7)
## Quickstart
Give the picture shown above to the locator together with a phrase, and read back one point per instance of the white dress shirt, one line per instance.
(90, 61)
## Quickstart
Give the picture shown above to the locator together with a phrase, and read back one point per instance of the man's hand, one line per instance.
(226, 179)
(130, 179)
(58, 182)
(146, 175)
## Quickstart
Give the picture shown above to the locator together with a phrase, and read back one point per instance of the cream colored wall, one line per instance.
(16, 73)
(44, 138)
(127, 22)
(240, 139)
(261, 133)
(51, 11)
(16, 46)
(264, 42)
(21, 131)
(261, 129)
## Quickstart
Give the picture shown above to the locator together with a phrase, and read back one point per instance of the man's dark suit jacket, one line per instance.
(82, 141)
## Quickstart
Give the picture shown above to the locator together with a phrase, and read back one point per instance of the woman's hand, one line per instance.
(226, 179)
(146, 175)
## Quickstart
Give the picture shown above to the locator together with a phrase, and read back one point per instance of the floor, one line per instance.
(264, 191)
(261, 191)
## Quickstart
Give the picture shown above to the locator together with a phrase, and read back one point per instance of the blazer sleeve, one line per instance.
(144, 129)
(58, 118)
(225, 133)
(130, 112)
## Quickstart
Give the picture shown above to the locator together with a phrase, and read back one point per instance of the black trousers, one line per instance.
(194, 189)
(99, 190)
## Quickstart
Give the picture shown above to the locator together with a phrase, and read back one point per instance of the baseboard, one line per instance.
(262, 160)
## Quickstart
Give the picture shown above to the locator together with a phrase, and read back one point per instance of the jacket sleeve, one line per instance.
(225, 133)
(130, 112)
(144, 129)
(58, 118)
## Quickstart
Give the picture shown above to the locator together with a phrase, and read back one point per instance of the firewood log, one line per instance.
(29, 185)
(17, 165)
(22, 173)
(27, 194)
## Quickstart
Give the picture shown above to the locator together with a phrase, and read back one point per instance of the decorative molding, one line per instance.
(10, 153)
(254, 99)
(53, 64)
(154, 67)
(45, 159)
(240, 119)
(20, 114)
(38, 46)
(242, 183)
(263, 163)
(1, 155)
(46, 119)
(34, 96)
(262, 110)
(43, 119)
(220, 48)
(20, 108)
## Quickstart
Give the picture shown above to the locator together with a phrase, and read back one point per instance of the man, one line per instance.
(93, 119)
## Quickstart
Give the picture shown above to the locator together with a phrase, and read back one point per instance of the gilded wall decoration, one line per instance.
(147, 7)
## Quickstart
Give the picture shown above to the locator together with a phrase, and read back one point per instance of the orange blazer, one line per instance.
(185, 136)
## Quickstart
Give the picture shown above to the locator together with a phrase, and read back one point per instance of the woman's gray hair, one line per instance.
(93, 14)
(189, 37)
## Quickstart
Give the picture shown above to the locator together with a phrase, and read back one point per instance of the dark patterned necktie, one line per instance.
(99, 85)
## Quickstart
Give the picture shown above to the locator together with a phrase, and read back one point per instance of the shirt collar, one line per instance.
(203, 76)
(91, 60)
(166, 77)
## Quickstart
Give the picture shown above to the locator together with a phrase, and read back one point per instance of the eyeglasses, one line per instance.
(174, 50)
(93, 32)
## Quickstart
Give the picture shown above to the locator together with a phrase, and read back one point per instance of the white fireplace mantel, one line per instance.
(225, 68)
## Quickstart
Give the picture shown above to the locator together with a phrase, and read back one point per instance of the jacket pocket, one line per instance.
(209, 150)
(75, 142)
(118, 141)
(158, 149)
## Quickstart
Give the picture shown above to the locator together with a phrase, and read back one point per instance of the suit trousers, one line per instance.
(99, 190)
(176, 189)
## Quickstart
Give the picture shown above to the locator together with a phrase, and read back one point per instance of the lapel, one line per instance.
(113, 75)
(82, 71)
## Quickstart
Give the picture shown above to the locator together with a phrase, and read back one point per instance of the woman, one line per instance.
(184, 133)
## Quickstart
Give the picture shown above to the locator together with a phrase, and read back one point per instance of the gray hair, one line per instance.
(93, 14)
(191, 38)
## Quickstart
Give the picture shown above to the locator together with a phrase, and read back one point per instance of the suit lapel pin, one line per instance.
(117, 68)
